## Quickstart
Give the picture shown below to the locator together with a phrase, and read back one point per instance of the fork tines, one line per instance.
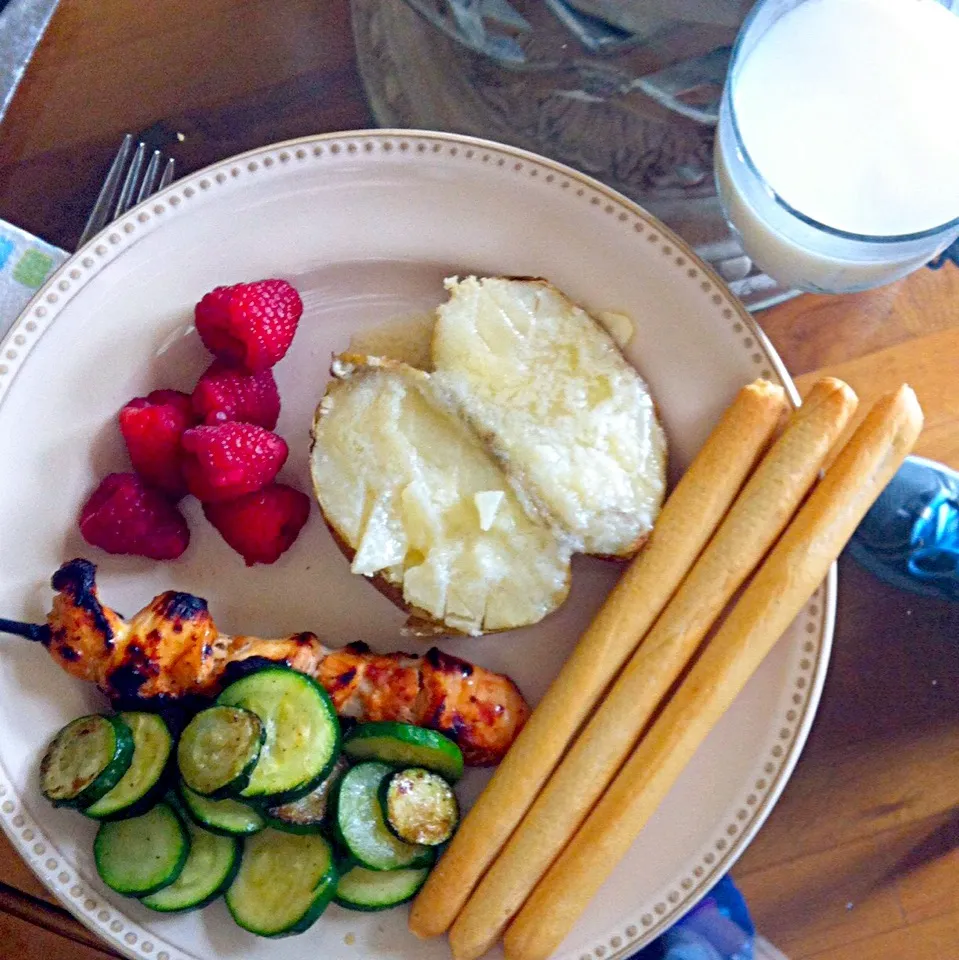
(124, 185)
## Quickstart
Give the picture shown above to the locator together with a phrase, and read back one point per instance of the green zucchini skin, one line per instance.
(145, 780)
(141, 855)
(219, 750)
(405, 745)
(370, 891)
(419, 807)
(296, 755)
(86, 760)
(360, 826)
(284, 883)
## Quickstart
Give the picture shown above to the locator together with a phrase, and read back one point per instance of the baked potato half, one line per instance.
(419, 505)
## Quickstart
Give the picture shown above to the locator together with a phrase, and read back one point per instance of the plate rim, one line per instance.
(80, 267)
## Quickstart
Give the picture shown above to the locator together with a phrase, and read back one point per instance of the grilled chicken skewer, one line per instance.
(172, 652)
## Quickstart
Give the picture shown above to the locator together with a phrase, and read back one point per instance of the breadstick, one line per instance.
(752, 525)
(783, 584)
(686, 522)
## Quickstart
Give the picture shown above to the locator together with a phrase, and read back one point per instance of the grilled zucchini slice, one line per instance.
(219, 750)
(360, 825)
(284, 883)
(141, 855)
(302, 732)
(228, 817)
(308, 814)
(405, 745)
(86, 760)
(420, 807)
(209, 869)
(141, 784)
(368, 890)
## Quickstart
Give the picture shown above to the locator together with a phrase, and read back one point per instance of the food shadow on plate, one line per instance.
(40, 681)
(341, 299)
(224, 936)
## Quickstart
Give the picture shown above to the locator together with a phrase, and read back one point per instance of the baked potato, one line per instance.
(463, 492)
(551, 394)
(420, 506)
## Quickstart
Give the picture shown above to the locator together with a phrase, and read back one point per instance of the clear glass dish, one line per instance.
(627, 92)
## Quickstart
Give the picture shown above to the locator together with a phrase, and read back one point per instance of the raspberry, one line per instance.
(226, 393)
(250, 325)
(231, 459)
(261, 525)
(151, 428)
(124, 515)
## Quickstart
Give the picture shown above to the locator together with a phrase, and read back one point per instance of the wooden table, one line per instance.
(861, 857)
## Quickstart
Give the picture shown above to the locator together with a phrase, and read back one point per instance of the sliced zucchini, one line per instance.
(141, 855)
(368, 890)
(405, 745)
(284, 883)
(86, 760)
(361, 827)
(420, 806)
(307, 815)
(219, 749)
(209, 869)
(302, 731)
(228, 817)
(140, 785)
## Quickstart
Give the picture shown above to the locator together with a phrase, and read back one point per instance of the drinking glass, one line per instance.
(791, 246)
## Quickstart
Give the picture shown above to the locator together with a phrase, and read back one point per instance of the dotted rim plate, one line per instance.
(772, 770)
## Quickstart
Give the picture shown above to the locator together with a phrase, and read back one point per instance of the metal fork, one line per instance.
(124, 185)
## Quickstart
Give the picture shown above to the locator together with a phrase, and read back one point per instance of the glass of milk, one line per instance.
(837, 153)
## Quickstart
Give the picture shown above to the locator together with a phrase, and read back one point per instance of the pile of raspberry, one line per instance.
(217, 443)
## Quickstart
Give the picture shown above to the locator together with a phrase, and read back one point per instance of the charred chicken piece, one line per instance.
(171, 651)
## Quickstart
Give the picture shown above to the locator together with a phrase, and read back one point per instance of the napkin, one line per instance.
(25, 263)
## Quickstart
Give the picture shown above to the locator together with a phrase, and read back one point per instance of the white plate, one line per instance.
(366, 225)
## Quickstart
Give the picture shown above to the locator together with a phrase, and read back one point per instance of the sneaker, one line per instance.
(910, 536)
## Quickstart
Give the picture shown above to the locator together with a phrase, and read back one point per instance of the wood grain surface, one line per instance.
(860, 859)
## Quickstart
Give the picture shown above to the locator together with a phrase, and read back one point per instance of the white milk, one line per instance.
(846, 110)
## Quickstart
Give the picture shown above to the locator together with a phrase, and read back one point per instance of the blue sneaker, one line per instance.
(719, 927)
(910, 537)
